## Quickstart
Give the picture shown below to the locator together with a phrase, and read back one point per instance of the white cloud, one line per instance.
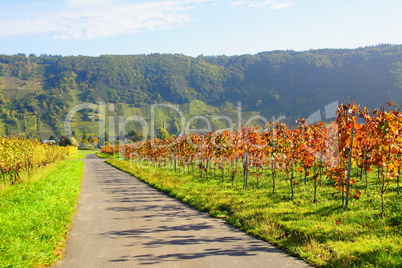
(270, 4)
(240, 3)
(282, 5)
(83, 3)
(87, 19)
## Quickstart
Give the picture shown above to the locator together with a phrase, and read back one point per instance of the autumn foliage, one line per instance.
(18, 155)
(368, 142)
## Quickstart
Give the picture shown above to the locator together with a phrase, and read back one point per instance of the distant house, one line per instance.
(91, 117)
(49, 141)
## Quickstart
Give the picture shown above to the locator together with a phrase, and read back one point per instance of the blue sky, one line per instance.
(194, 27)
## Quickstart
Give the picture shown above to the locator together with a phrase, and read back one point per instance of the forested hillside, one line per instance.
(36, 92)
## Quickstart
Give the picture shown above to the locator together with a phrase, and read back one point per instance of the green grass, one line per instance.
(320, 233)
(108, 156)
(36, 215)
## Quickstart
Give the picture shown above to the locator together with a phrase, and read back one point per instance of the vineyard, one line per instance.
(358, 153)
(19, 155)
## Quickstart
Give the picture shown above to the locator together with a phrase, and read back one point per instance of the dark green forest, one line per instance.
(36, 92)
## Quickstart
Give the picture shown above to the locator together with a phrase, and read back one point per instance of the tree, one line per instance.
(74, 141)
(106, 137)
(163, 134)
(84, 136)
(64, 141)
(95, 141)
(138, 136)
(131, 133)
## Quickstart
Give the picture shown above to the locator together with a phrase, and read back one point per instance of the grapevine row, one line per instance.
(18, 155)
(369, 142)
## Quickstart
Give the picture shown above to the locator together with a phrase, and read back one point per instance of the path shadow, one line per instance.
(214, 245)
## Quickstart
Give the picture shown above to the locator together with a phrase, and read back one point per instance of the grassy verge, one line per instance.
(36, 215)
(319, 233)
(108, 156)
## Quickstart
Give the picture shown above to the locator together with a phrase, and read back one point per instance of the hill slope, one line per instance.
(37, 92)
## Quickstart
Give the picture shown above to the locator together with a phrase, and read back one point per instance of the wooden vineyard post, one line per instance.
(349, 169)
(202, 156)
(246, 165)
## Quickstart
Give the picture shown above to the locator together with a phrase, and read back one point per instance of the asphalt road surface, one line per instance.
(123, 222)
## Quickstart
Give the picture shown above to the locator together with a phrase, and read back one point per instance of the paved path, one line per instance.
(123, 222)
